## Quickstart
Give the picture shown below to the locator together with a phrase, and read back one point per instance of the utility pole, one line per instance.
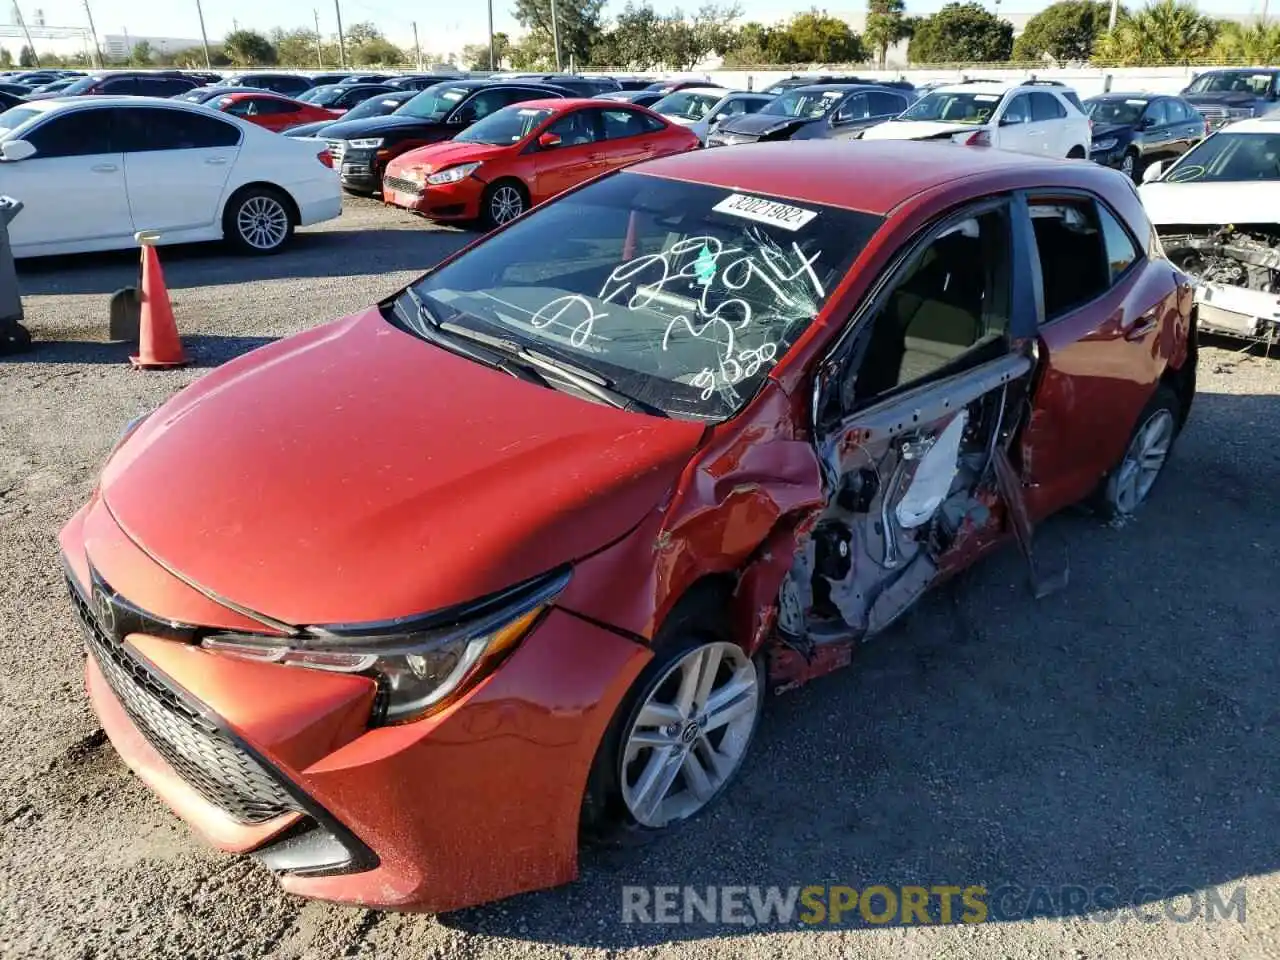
(555, 34)
(204, 37)
(319, 48)
(22, 22)
(1111, 20)
(342, 42)
(493, 60)
(417, 47)
(97, 51)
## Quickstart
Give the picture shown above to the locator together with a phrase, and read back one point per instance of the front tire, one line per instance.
(1127, 486)
(258, 221)
(680, 736)
(503, 201)
(1129, 165)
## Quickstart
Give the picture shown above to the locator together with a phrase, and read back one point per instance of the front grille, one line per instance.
(336, 149)
(401, 185)
(197, 749)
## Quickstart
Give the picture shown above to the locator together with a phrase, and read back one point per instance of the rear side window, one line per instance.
(268, 107)
(1157, 113)
(144, 130)
(1081, 254)
(884, 104)
(855, 108)
(1121, 250)
(82, 133)
(623, 123)
(119, 86)
(163, 86)
(1045, 106)
(1018, 111)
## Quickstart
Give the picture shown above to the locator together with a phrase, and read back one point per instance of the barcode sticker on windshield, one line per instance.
(765, 211)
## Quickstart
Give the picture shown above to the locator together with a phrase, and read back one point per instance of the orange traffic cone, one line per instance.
(158, 343)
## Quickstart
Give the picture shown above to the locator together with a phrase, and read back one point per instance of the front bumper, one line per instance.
(360, 169)
(450, 201)
(478, 802)
(1238, 312)
(1108, 158)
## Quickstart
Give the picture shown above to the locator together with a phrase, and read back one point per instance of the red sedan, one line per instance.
(525, 154)
(401, 603)
(273, 111)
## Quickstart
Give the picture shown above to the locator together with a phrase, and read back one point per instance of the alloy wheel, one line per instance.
(263, 222)
(505, 205)
(1128, 166)
(690, 734)
(1144, 460)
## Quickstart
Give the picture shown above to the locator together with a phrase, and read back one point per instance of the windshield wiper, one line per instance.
(538, 364)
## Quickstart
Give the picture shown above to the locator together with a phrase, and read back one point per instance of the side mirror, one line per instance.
(14, 150)
(458, 120)
(1008, 121)
(548, 141)
(1146, 123)
(1153, 172)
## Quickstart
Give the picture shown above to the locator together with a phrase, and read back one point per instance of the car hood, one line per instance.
(917, 129)
(317, 129)
(1212, 203)
(1101, 130)
(763, 124)
(1237, 99)
(355, 473)
(381, 127)
(447, 154)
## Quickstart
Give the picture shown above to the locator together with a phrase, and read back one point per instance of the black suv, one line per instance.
(138, 84)
(361, 149)
(1225, 96)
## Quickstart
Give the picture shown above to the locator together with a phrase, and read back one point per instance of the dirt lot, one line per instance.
(1120, 733)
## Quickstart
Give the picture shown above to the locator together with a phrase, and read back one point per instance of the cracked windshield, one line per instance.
(678, 295)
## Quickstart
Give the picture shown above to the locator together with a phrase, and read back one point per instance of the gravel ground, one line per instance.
(1121, 733)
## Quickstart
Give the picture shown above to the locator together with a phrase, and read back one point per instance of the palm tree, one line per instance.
(1167, 31)
(1257, 44)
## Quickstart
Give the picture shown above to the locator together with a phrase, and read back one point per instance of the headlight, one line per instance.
(372, 143)
(1106, 143)
(419, 665)
(453, 174)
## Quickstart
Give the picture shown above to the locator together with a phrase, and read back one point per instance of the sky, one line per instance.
(440, 31)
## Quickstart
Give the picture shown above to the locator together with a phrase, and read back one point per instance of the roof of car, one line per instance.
(561, 104)
(1135, 95)
(883, 174)
(978, 86)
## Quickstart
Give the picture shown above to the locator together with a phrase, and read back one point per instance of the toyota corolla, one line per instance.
(409, 603)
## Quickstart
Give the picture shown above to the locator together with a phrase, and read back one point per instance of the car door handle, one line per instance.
(216, 161)
(104, 168)
(1143, 325)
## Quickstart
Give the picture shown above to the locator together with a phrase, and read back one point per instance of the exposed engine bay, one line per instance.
(901, 500)
(1238, 258)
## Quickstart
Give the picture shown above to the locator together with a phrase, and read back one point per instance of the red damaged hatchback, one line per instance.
(407, 603)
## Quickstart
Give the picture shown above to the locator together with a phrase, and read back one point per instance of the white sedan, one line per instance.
(701, 109)
(93, 171)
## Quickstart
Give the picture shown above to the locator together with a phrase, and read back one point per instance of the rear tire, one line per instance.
(258, 221)
(1126, 488)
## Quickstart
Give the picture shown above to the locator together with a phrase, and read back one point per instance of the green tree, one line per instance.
(247, 48)
(27, 57)
(684, 42)
(634, 40)
(1256, 44)
(749, 46)
(819, 38)
(961, 33)
(1168, 31)
(142, 54)
(1065, 31)
(378, 52)
(295, 48)
(6, 58)
(886, 25)
(579, 24)
(475, 56)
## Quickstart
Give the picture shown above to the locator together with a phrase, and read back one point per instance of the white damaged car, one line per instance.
(1217, 213)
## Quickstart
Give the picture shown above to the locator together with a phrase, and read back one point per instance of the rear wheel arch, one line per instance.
(295, 214)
